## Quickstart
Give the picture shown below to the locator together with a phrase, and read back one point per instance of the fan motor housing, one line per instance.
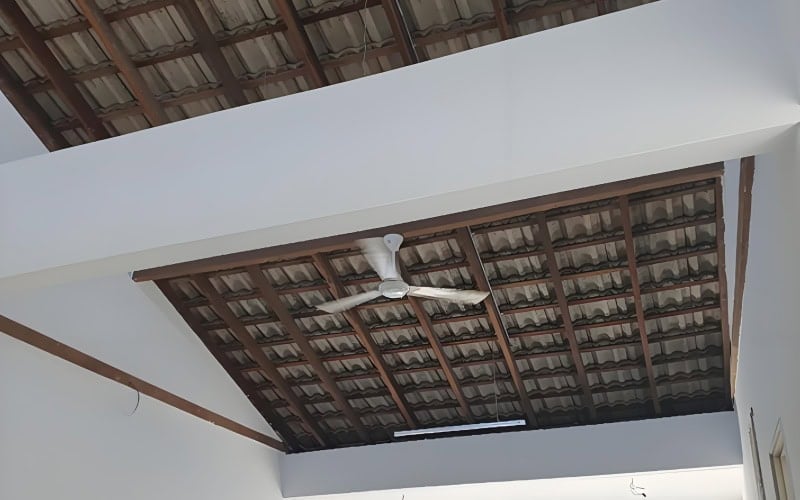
(393, 289)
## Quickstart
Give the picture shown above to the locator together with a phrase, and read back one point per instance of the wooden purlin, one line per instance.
(119, 56)
(365, 338)
(630, 250)
(300, 43)
(212, 53)
(274, 303)
(467, 245)
(256, 352)
(249, 388)
(566, 318)
(52, 67)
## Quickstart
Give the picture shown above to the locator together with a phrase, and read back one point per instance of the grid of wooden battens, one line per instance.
(87, 122)
(497, 333)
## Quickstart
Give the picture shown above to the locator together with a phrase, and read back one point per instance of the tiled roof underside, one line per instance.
(162, 40)
(462, 375)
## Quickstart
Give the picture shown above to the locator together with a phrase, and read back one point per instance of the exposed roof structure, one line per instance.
(607, 304)
(84, 70)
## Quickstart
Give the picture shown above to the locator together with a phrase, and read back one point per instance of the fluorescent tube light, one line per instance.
(459, 428)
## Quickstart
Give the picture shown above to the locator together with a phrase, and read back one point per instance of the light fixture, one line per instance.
(460, 428)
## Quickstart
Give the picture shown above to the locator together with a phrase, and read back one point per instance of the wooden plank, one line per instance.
(257, 353)
(467, 244)
(119, 56)
(402, 35)
(569, 331)
(40, 341)
(212, 53)
(300, 43)
(746, 177)
(501, 18)
(435, 224)
(630, 250)
(365, 338)
(280, 310)
(29, 109)
(723, 286)
(52, 68)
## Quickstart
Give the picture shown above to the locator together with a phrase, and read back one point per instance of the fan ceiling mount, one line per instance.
(381, 254)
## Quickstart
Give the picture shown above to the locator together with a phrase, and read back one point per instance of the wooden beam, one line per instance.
(436, 224)
(257, 353)
(119, 56)
(300, 43)
(40, 341)
(467, 245)
(569, 331)
(363, 334)
(280, 310)
(630, 250)
(438, 349)
(501, 18)
(402, 35)
(723, 285)
(29, 109)
(53, 69)
(213, 54)
(248, 387)
(746, 176)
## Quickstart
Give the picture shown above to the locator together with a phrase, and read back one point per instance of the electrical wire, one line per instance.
(364, 41)
(138, 399)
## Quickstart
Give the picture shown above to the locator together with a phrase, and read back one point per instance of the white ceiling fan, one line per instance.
(381, 254)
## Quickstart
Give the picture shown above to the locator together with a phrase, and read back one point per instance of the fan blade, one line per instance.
(346, 303)
(380, 258)
(453, 295)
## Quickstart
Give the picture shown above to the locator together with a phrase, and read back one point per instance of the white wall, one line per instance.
(718, 483)
(68, 433)
(709, 440)
(770, 342)
(663, 86)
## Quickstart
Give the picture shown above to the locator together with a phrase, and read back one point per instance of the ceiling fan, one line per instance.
(381, 254)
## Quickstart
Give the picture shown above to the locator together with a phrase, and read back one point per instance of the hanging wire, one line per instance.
(494, 382)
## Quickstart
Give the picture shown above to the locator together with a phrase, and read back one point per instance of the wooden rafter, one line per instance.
(723, 283)
(274, 303)
(40, 341)
(55, 72)
(116, 51)
(300, 43)
(248, 387)
(746, 176)
(213, 54)
(501, 19)
(566, 318)
(633, 271)
(363, 334)
(257, 353)
(29, 109)
(438, 349)
(402, 35)
(467, 245)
